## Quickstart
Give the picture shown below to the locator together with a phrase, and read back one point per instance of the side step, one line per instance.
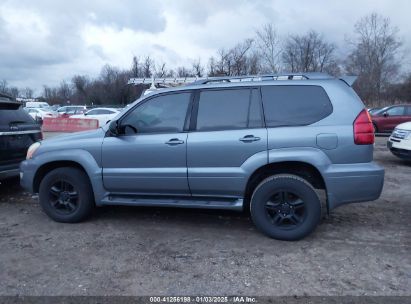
(180, 202)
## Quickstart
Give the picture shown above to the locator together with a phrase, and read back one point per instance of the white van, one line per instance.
(37, 104)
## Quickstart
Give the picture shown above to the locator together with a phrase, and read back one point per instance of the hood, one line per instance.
(404, 126)
(87, 140)
(92, 134)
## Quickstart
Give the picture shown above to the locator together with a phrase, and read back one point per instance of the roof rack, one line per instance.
(247, 78)
(163, 80)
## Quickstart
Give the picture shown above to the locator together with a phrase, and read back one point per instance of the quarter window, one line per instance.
(294, 105)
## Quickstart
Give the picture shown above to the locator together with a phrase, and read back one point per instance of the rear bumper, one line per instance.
(353, 183)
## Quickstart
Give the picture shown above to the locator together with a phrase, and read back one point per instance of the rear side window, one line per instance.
(229, 110)
(395, 111)
(294, 105)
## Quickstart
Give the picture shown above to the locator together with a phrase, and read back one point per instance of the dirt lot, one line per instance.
(362, 249)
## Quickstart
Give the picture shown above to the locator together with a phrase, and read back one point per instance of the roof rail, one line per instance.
(162, 80)
(264, 77)
(245, 78)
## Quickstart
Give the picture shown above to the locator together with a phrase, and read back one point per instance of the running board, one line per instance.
(180, 202)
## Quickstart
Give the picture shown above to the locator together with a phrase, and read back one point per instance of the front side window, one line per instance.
(395, 111)
(161, 114)
(294, 105)
(228, 110)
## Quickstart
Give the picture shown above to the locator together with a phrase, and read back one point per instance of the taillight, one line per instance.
(363, 129)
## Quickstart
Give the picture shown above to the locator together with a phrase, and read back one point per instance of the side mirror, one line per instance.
(116, 130)
(113, 128)
(385, 114)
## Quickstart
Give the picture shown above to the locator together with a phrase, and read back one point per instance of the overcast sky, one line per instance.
(43, 42)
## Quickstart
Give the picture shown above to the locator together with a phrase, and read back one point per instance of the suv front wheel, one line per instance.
(285, 207)
(66, 195)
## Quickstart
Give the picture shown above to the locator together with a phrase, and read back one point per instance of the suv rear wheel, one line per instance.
(66, 195)
(285, 207)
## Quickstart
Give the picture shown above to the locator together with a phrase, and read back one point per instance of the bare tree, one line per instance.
(3, 86)
(309, 53)
(238, 57)
(183, 72)
(269, 47)
(148, 67)
(136, 69)
(374, 57)
(161, 70)
(198, 69)
(28, 92)
(14, 91)
(64, 91)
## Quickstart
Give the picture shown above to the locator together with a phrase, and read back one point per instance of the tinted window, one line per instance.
(103, 111)
(160, 114)
(12, 115)
(228, 109)
(93, 112)
(408, 111)
(294, 105)
(395, 111)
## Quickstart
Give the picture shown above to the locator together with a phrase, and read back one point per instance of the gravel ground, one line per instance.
(361, 249)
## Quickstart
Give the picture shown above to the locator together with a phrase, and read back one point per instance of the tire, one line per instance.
(66, 195)
(375, 128)
(285, 207)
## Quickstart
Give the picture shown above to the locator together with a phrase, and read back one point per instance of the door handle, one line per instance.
(175, 141)
(249, 138)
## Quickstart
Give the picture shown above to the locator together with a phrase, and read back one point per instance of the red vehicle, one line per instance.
(386, 119)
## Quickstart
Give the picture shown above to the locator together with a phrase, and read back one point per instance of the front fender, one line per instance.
(30, 168)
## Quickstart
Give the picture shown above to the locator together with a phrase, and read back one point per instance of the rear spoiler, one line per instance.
(349, 80)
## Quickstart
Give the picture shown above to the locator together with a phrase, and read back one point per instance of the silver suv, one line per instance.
(266, 144)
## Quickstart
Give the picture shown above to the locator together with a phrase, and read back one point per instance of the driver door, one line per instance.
(150, 158)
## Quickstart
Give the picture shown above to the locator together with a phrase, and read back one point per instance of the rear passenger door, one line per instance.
(226, 130)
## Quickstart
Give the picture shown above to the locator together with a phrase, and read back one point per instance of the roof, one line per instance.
(5, 98)
(177, 84)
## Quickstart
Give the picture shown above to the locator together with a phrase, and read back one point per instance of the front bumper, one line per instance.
(353, 183)
(400, 148)
(27, 172)
(9, 173)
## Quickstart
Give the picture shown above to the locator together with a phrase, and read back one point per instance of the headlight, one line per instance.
(33, 148)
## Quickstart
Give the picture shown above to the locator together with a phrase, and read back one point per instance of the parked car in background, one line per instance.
(263, 146)
(37, 104)
(55, 107)
(103, 115)
(18, 131)
(68, 111)
(373, 110)
(399, 142)
(386, 119)
(39, 114)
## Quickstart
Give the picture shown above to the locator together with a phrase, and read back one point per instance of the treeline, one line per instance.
(374, 54)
